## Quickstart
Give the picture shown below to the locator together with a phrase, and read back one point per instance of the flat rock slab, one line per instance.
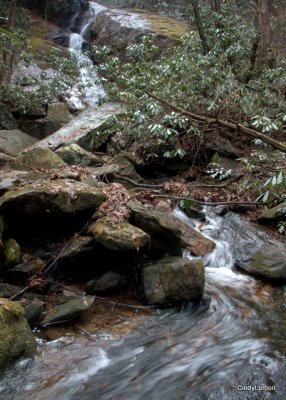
(86, 130)
(68, 311)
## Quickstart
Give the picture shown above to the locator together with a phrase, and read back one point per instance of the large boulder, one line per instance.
(107, 283)
(118, 236)
(90, 129)
(14, 141)
(165, 234)
(172, 280)
(49, 207)
(125, 28)
(265, 263)
(16, 338)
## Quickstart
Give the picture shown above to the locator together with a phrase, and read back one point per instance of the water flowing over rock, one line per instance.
(165, 234)
(172, 280)
(125, 28)
(16, 338)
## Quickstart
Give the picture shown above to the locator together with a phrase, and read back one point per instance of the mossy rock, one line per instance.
(16, 338)
(12, 253)
(118, 236)
(43, 49)
(41, 158)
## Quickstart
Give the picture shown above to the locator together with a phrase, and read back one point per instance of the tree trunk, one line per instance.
(263, 31)
(217, 6)
(9, 52)
(195, 4)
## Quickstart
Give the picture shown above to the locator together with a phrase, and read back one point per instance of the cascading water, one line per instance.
(86, 92)
(235, 338)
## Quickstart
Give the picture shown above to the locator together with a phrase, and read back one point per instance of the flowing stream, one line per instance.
(86, 92)
(235, 337)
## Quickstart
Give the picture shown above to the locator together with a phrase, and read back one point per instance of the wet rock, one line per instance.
(7, 121)
(89, 129)
(265, 263)
(163, 206)
(118, 236)
(41, 158)
(12, 253)
(273, 214)
(126, 28)
(193, 213)
(73, 154)
(107, 283)
(16, 338)
(194, 241)
(24, 271)
(165, 234)
(33, 312)
(172, 280)
(68, 311)
(14, 141)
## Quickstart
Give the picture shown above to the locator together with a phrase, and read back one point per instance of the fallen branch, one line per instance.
(234, 126)
(218, 185)
(140, 185)
(203, 203)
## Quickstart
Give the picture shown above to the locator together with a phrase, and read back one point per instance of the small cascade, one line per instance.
(86, 92)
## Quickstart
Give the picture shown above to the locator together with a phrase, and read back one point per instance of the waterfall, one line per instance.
(85, 92)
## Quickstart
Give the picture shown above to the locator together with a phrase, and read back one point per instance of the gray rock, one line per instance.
(172, 280)
(165, 234)
(46, 197)
(14, 141)
(68, 311)
(8, 291)
(73, 154)
(33, 312)
(22, 272)
(118, 236)
(107, 283)
(88, 129)
(16, 338)
(40, 128)
(264, 263)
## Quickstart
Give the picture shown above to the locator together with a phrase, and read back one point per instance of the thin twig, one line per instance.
(220, 203)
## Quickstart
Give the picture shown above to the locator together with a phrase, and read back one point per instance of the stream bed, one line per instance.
(234, 338)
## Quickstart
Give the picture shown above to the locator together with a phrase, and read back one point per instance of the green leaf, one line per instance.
(280, 178)
(266, 196)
